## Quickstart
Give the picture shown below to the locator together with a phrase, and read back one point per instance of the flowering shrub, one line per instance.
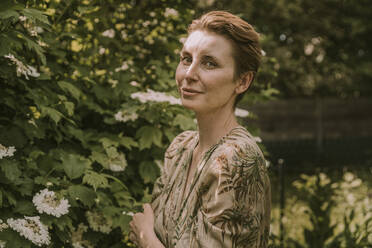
(88, 106)
(78, 143)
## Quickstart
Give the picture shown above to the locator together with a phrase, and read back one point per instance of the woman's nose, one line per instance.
(192, 72)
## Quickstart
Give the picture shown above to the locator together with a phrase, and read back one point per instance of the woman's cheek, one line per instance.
(180, 75)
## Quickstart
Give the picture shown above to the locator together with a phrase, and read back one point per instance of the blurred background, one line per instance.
(88, 106)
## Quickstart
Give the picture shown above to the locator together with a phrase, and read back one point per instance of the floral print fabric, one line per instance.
(228, 201)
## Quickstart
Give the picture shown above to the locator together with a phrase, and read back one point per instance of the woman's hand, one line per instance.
(142, 225)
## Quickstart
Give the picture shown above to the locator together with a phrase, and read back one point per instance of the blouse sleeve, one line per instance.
(236, 207)
(168, 167)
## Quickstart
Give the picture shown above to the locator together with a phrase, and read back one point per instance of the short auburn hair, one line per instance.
(245, 40)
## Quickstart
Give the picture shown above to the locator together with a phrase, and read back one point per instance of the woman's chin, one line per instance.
(189, 104)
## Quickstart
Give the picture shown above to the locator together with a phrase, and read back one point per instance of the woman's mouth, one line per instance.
(189, 92)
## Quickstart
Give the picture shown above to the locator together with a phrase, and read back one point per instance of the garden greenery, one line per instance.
(81, 136)
(324, 212)
(88, 106)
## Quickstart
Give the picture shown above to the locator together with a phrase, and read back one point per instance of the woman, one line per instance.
(213, 190)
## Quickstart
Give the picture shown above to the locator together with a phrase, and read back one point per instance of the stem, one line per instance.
(50, 172)
(115, 179)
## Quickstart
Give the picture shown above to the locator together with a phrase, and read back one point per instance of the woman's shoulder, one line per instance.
(240, 145)
(181, 141)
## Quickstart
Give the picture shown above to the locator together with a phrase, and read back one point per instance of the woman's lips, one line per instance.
(189, 92)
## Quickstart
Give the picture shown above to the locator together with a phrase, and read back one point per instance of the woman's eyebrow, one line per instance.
(204, 55)
(210, 57)
(184, 52)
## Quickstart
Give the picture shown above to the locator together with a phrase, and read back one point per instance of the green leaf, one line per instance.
(70, 106)
(35, 15)
(128, 142)
(32, 45)
(169, 133)
(106, 142)
(1, 198)
(112, 152)
(15, 136)
(10, 169)
(95, 180)
(52, 113)
(7, 4)
(4, 48)
(13, 239)
(100, 157)
(63, 222)
(184, 122)
(9, 13)
(70, 88)
(11, 199)
(147, 136)
(26, 186)
(74, 165)
(149, 171)
(82, 193)
(124, 199)
(123, 222)
(111, 211)
(36, 153)
(24, 208)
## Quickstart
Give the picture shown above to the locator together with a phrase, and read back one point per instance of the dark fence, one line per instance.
(311, 135)
(331, 131)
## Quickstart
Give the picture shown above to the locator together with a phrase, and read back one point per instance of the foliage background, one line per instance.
(90, 56)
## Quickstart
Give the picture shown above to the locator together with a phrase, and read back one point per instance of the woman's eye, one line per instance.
(186, 60)
(210, 64)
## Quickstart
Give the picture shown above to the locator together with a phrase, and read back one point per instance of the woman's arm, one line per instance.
(143, 233)
(236, 207)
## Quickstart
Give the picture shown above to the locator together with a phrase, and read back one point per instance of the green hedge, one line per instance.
(79, 150)
(87, 109)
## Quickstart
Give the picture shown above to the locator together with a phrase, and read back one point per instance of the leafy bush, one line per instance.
(327, 213)
(79, 150)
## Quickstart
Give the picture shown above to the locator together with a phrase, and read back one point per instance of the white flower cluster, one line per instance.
(2, 244)
(98, 222)
(116, 168)
(101, 50)
(6, 152)
(32, 229)
(22, 18)
(3, 225)
(118, 164)
(77, 237)
(123, 117)
(32, 29)
(47, 202)
(170, 12)
(26, 70)
(241, 112)
(110, 33)
(155, 96)
(128, 213)
(124, 35)
(124, 66)
(134, 84)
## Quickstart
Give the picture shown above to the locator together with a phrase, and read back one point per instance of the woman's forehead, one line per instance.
(207, 42)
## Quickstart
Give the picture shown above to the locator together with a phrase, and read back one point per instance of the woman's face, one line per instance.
(205, 74)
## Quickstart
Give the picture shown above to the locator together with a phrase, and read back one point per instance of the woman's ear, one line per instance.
(244, 82)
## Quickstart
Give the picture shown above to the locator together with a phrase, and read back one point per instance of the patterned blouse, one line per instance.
(228, 201)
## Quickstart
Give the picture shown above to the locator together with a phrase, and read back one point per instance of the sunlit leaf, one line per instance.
(74, 165)
(95, 180)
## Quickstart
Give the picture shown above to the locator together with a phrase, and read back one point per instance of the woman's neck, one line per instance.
(213, 126)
